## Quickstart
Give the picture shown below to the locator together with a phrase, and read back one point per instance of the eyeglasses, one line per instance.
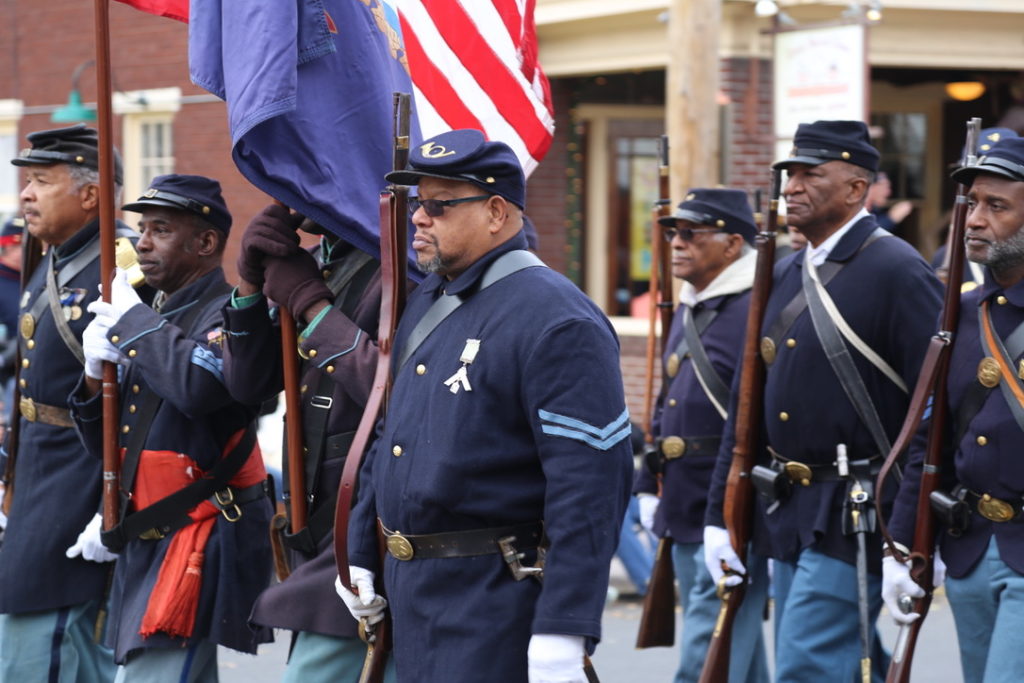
(435, 207)
(685, 234)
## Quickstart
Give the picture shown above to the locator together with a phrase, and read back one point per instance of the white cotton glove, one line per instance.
(367, 604)
(938, 570)
(555, 658)
(648, 507)
(89, 545)
(896, 582)
(95, 346)
(122, 295)
(718, 551)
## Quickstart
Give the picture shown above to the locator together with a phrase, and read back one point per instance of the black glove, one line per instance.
(295, 282)
(270, 233)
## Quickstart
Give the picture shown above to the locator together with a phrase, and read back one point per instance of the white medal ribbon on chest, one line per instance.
(460, 380)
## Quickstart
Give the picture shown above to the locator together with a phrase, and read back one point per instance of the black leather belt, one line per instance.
(467, 543)
(228, 500)
(673, 447)
(806, 474)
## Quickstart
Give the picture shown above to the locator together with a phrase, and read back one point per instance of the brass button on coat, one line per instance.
(421, 369)
(397, 451)
(784, 416)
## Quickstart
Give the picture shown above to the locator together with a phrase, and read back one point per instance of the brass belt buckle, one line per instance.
(798, 473)
(153, 534)
(994, 509)
(27, 408)
(400, 547)
(673, 447)
(228, 507)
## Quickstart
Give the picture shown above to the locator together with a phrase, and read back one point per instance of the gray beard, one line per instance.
(434, 265)
(1005, 254)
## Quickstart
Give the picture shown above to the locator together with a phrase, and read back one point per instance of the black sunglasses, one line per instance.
(685, 234)
(435, 207)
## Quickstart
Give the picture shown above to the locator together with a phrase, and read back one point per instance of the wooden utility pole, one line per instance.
(691, 94)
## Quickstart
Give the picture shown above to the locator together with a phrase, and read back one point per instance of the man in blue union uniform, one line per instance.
(844, 335)
(507, 426)
(981, 531)
(193, 551)
(53, 569)
(710, 235)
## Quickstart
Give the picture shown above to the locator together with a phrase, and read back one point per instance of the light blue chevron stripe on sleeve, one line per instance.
(601, 438)
(208, 361)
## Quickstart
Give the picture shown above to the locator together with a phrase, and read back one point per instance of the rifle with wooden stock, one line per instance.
(31, 256)
(393, 249)
(738, 505)
(932, 384)
(658, 620)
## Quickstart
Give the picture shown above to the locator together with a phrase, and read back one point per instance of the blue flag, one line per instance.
(308, 84)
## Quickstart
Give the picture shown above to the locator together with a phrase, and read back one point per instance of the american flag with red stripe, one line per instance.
(474, 65)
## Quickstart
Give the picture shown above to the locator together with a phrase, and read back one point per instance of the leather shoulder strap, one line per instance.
(710, 381)
(798, 303)
(503, 266)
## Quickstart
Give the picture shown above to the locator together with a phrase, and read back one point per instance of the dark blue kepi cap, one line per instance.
(727, 210)
(988, 138)
(194, 193)
(1005, 159)
(466, 156)
(823, 141)
(76, 145)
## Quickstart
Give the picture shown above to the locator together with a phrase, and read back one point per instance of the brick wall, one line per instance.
(548, 185)
(750, 151)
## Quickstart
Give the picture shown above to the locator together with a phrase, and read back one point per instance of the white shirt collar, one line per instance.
(818, 254)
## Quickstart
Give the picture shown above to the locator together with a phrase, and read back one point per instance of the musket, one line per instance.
(393, 249)
(932, 382)
(297, 507)
(659, 290)
(31, 256)
(738, 505)
(109, 390)
(658, 619)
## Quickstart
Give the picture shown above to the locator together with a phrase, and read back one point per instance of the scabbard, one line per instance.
(863, 607)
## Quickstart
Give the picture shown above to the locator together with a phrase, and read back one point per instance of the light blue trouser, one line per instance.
(817, 624)
(194, 664)
(988, 609)
(700, 611)
(317, 658)
(637, 558)
(55, 646)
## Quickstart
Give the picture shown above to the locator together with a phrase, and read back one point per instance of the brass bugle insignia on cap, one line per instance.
(988, 372)
(768, 350)
(432, 150)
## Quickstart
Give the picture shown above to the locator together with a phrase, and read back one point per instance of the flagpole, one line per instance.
(111, 457)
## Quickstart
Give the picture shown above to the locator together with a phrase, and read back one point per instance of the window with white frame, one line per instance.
(148, 139)
(10, 113)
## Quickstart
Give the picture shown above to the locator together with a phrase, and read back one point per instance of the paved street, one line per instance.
(618, 661)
